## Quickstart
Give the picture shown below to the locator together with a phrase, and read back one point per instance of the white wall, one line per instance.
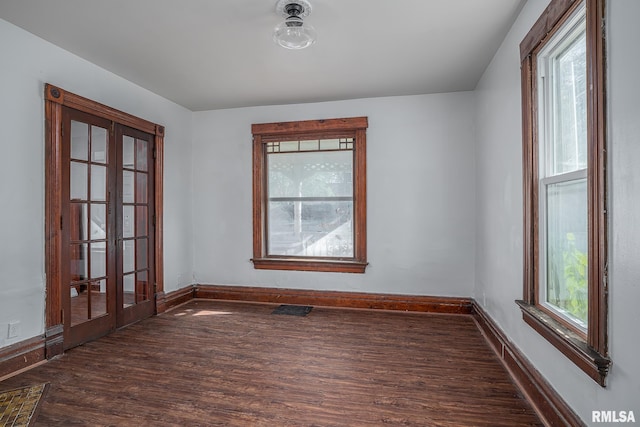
(420, 210)
(433, 180)
(499, 213)
(27, 64)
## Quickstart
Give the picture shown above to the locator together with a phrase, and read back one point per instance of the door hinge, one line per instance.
(155, 152)
(61, 222)
(154, 220)
(113, 126)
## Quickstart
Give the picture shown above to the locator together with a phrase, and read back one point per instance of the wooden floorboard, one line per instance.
(209, 363)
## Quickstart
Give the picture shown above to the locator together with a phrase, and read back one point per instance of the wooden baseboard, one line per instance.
(166, 301)
(451, 305)
(551, 408)
(54, 341)
(21, 355)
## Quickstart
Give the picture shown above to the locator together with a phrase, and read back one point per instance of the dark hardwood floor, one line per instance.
(210, 363)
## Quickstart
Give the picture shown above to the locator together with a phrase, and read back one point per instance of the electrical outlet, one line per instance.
(14, 330)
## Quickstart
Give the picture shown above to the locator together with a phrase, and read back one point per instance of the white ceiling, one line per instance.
(213, 54)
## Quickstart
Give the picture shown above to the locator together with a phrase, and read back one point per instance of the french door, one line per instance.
(107, 222)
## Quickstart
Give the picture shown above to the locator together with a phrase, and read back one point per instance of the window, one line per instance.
(565, 277)
(309, 195)
(562, 172)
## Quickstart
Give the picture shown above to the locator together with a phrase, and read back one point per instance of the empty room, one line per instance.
(314, 212)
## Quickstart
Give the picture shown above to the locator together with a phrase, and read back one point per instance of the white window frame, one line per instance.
(573, 28)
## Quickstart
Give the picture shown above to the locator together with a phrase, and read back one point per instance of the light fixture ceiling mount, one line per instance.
(293, 33)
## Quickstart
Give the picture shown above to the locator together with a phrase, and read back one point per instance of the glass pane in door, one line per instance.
(128, 256)
(98, 183)
(142, 286)
(98, 145)
(127, 186)
(79, 262)
(141, 154)
(141, 187)
(98, 221)
(79, 181)
(98, 298)
(128, 152)
(128, 290)
(141, 254)
(128, 221)
(79, 220)
(98, 260)
(142, 218)
(79, 140)
(79, 305)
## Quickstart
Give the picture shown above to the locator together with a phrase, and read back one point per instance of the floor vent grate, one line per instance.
(293, 310)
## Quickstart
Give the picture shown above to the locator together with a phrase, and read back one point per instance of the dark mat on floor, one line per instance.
(293, 310)
(19, 407)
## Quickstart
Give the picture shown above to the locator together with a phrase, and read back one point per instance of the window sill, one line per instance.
(334, 266)
(568, 342)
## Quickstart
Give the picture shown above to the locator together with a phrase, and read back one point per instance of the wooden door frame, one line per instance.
(55, 98)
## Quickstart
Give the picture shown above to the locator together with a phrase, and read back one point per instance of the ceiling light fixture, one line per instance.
(293, 33)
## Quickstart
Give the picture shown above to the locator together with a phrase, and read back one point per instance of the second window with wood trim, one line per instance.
(309, 195)
(564, 175)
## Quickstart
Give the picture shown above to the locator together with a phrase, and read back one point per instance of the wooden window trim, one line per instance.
(589, 352)
(269, 132)
(55, 99)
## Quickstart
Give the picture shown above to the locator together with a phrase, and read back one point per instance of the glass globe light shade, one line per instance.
(293, 33)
